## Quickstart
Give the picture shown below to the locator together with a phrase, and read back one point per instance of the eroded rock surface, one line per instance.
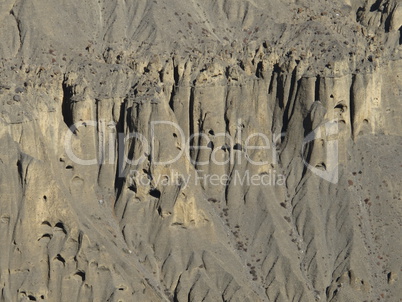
(127, 134)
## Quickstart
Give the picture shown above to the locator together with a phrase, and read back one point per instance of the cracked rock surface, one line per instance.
(215, 150)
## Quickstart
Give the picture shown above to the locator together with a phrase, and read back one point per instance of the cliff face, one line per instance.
(214, 150)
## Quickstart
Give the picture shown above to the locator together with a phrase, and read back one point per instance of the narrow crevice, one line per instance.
(271, 83)
(201, 122)
(307, 154)
(131, 150)
(226, 112)
(280, 90)
(375, 6)
(176, 75)
(295, 92)
(12, 13)
(227, 72)
(119, 180)
(67, 108)
(160, 72)
(176, 78)
(20, 171)
(317, 89)
(175, 292)
(171, 99)
(191, 119)
(352, 104)
(387, 23)
(400, 35)
(290, 104)
(307, 124)
(258, 72)
(99, 141)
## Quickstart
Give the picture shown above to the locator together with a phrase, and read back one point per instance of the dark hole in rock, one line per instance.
(237, 147)
(45, 236)
(225, 147)
(60, 226)
(340, 107)
(81, 274)
(321, 166)
(389, 277)
(60, 258)
(155, 193)
(133, 188)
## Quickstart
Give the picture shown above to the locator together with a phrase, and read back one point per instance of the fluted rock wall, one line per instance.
(127, 135)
